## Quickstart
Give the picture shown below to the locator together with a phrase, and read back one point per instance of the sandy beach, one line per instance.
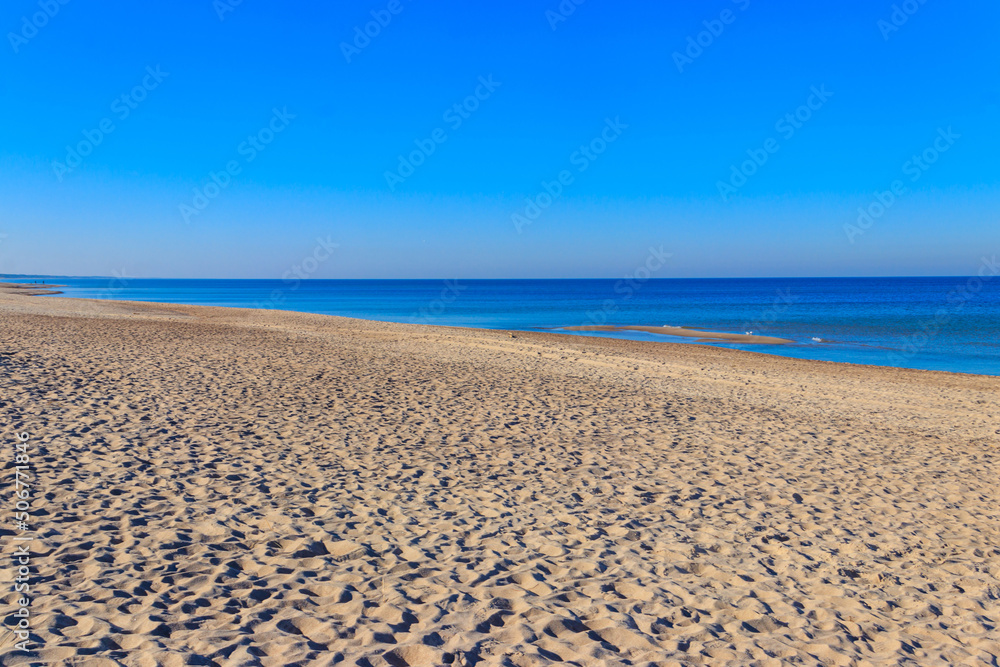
(238, 487)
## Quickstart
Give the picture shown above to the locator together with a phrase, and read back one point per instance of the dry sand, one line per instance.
(237, 487)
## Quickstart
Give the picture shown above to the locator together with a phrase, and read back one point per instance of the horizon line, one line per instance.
(317, 280)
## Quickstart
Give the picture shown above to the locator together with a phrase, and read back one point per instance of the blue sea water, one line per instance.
(947, 323)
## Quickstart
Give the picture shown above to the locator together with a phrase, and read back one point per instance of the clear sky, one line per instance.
(668, 123)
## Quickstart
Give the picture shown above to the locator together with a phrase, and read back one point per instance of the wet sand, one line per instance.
(29, 289)
(237, 487)
(685, 332)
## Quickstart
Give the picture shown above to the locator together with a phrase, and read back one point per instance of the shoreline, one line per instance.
(19, 289)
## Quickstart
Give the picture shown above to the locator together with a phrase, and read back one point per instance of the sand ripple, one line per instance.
(236, 488)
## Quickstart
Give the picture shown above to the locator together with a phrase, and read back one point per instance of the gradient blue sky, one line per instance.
(656, 185)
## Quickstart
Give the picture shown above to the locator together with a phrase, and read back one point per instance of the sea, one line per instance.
(932, 323)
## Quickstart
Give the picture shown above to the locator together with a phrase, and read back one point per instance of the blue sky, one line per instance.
(647, 140)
